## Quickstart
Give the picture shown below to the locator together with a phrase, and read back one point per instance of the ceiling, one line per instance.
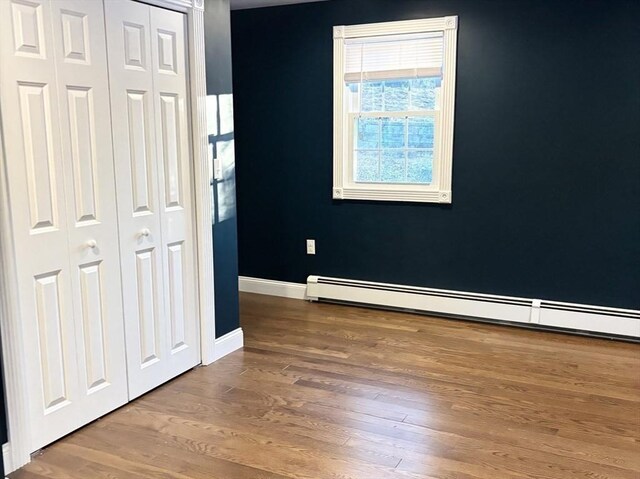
(242, 4)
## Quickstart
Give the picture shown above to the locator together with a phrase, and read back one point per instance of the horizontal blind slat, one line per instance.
(385, 58)
(355, 77)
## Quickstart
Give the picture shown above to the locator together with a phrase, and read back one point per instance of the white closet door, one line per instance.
(148, 91)
(60, 197)
(169, 64)
(85, 121)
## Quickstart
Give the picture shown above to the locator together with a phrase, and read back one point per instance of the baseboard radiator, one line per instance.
(578, 318)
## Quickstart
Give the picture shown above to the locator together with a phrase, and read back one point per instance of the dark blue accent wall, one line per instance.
(225, 249)
(546, 175)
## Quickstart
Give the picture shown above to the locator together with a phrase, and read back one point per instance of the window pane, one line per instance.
(392, 166)
(394, 150)
(393, 132)
(421, 131)
(396, 95)
(352, 97)
(368, 133)
(366, 170)
(423, 93)
(372, 96)
(420, 166)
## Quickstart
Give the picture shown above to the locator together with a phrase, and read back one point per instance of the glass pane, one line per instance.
(372, 96)
(368, 133)
(423, 93)
(366, 166)
(421, 131)
(393, 132)
(392, 166)
(420, 166)
(352, 96)
(396, 95)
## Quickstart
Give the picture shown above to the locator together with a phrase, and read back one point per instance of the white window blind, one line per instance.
(392, 57)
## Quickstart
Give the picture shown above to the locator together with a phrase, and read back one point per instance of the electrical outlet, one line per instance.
(311, 246)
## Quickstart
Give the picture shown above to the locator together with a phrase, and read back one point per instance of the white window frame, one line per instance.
(439, 190)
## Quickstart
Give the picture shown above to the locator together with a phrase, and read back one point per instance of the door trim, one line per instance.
(12, 353)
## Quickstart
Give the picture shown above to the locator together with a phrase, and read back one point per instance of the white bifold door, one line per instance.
(55, 110)
(147, 71)
(93, 98)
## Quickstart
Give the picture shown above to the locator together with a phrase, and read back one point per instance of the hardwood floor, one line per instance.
(325, 391)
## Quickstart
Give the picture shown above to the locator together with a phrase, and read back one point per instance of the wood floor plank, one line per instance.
(324, 391)
(190, 462)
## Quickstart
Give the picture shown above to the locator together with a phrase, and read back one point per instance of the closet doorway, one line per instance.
(107, 250)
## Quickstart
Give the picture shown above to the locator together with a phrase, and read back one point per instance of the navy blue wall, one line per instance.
(546, 176)
(225, 248)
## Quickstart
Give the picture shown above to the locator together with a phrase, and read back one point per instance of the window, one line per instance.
(394, 87)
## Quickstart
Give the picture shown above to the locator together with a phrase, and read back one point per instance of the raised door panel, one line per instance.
(177, 289)
(29, 38)
(135, 45)
(171, 149)
(148, 310)
(167, 51)
(40, 156)
(75, 34)
(142, 177)
(52, 340)
(93, 316)
(82, 133)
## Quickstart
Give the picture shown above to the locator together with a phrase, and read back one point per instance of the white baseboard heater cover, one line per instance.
(525, 311)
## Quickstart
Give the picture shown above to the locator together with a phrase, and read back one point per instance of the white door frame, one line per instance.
(18, 454)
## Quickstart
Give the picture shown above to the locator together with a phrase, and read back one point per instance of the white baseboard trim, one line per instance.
(7, 459)
(272, 287)
(228, 343)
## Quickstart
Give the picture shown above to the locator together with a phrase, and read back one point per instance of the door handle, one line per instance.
(91, 244)
(144, 232)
